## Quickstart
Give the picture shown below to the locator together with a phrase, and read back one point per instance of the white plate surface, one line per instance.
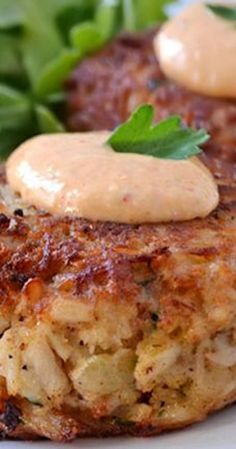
(218, 432)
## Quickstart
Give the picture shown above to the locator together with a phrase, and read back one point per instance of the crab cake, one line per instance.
(113, 329)
(106, 87)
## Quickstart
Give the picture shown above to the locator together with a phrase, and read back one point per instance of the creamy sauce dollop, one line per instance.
(197, 49)
(77, 174)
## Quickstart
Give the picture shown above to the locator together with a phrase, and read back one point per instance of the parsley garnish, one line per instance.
(168, 139)
(225, 12)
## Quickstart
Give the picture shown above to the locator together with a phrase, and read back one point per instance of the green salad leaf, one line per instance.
(129, 15)
(167, 139)
(87, 37)
(47, 121)
(148, 11)
(12, 14)
(54, 74)
(41, 42)
(15, 108)
(108, 17)
(225, 12)
(10, 63)
(10, 140)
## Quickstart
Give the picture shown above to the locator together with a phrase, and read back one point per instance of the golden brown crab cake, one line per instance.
(106, 87)
(113, 329)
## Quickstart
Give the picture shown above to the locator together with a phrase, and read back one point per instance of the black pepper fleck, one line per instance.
(154, 317)
(19, 212)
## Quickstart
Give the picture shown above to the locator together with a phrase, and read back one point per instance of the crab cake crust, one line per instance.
(111, 329)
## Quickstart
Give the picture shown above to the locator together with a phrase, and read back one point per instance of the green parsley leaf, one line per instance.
(168, 139)
(225, 12)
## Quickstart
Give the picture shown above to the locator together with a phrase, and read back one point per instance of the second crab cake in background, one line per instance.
(107, 86)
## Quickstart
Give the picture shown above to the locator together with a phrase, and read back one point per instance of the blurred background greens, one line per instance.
(40, 43)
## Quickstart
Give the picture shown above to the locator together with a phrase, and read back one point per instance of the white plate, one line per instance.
(218, 432)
